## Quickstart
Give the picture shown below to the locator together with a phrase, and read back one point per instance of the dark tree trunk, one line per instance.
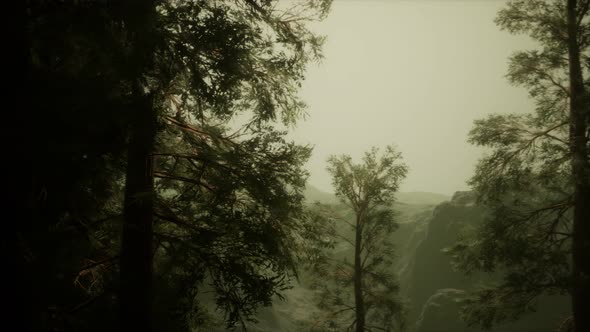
(358, 277)
(581, 227)
(21, 302)
(136, 246)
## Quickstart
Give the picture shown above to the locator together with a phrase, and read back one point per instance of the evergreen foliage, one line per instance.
(361, 294)
(227, 198)
(526, 181)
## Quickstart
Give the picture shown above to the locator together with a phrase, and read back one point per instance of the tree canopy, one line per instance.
(183, 96)
(362, 294)
(529, 180)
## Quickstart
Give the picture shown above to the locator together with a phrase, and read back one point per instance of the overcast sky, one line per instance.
(411, 73)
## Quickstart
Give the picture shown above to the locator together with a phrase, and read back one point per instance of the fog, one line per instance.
(411, 73)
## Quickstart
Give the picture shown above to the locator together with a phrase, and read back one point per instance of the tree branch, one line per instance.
(183, 179)
(97, 263)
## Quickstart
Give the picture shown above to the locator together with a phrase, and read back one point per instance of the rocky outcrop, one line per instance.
(440, 312)
(435, 289)
(432, 269)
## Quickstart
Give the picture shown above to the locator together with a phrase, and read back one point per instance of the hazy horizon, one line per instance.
(411, 73)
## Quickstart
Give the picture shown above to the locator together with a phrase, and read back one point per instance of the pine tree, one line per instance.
(368, 189)
(534, 181)
(579, 121)
(134, 88)
(229, 197)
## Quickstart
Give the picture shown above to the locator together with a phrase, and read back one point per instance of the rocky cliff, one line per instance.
(434, 289)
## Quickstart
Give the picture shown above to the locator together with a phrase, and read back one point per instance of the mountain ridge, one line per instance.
(313, 194)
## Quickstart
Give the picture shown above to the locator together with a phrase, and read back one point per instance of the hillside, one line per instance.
(313, 194)
(421, 198)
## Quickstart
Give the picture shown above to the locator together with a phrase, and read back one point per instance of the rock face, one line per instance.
(435, 289)
(439, 313)
(432, 269)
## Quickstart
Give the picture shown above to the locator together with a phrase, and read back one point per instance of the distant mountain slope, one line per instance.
(422, 198)
(313, 194)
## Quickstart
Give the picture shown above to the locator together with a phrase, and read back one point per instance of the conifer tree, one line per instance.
(144, 93)
(535, 179)
(362, 294)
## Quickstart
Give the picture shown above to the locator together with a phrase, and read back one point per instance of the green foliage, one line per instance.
(229, 196)
(543, 20)
(225, 57)
(373, 182)
(233, 216)
(525, 181)
(368, 190)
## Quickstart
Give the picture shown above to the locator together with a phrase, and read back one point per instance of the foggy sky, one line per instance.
(411, 73)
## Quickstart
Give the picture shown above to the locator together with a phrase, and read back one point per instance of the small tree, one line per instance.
(368, 189)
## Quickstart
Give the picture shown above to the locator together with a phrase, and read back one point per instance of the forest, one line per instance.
(154, 182)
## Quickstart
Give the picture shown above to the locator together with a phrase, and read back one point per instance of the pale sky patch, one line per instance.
(411, 73)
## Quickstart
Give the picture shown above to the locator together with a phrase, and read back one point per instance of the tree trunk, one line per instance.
(581, 227)
(136, 244)
(358, 277)
(22, 308)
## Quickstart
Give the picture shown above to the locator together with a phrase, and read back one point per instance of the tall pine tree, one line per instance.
(362, 294)
(134, 87)
(535, 180)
